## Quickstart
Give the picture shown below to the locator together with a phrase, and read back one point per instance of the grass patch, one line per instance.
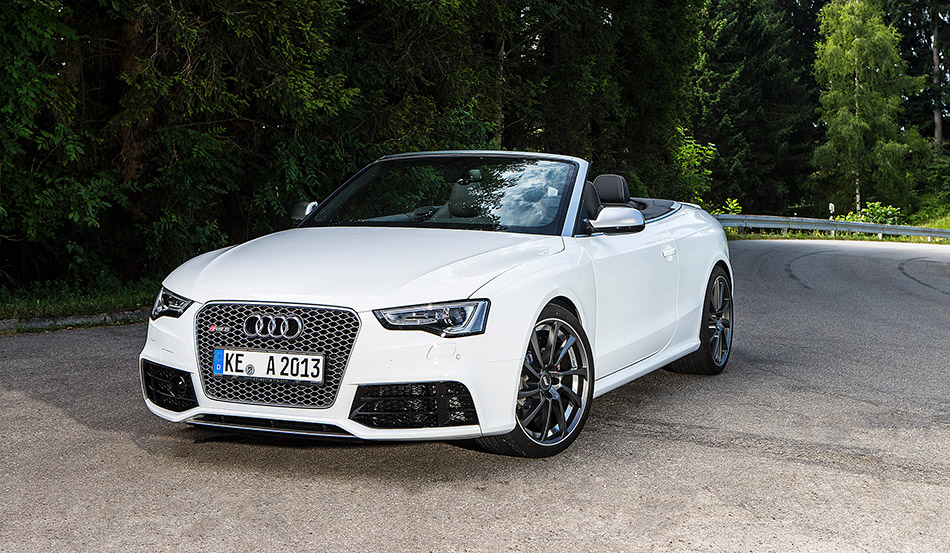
(59, 299)
(942, 222)
(773, 234)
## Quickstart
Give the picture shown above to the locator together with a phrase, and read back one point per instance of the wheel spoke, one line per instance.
(559, 415)
(527, 366)
(532, 415)
(714, 343)
(547, 419)
(564, 349)
(579, 371)
(535, 347)
(552, 339)
(528, 393)
(722, 309)
(572, 397)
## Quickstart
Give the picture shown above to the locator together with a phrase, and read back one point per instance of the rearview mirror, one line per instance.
(618, 219)
(301, 210)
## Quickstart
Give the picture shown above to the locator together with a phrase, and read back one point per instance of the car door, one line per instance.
(637, 277)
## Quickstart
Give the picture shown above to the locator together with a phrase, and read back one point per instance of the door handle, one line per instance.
(669, 252)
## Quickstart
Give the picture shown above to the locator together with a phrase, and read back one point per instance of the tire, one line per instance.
(715, 330)
(554, 393)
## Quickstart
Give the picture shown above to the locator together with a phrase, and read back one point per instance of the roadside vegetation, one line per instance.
(771, 234)
(135, 134)
(55, 300)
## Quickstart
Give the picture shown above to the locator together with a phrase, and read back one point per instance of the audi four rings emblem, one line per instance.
(270, 326)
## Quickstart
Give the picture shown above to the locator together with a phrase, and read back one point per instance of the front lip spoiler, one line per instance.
(271, 426)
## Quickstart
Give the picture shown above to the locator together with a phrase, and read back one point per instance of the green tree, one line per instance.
(752, 103)
(923, 28)
(137, 133)
(864, 82)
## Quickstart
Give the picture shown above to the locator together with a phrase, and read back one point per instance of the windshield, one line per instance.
(512, 194)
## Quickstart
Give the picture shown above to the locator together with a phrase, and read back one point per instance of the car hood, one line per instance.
(359, 268)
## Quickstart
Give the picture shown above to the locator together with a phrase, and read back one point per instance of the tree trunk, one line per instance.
(857, 172)
(937, 82)
(499, 82)
(133, 147)
(857, 191)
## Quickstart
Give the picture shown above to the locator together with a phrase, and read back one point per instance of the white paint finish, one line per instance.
(638, 296)
(359, 268)
(441, 351)
(636, 303)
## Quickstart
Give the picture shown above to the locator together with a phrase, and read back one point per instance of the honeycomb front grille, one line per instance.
(329, 331)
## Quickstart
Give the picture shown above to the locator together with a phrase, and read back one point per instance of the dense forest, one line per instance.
(137, 133)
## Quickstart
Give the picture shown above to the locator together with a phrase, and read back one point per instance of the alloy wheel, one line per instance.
(719, 320)
(554, 380)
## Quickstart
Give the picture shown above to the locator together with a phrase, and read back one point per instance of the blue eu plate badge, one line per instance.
(219, 361)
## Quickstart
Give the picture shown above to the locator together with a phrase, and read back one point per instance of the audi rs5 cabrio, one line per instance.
(444, 295)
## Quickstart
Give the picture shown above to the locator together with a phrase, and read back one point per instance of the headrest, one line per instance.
(591, 200)
(463, 200)
(612, 189)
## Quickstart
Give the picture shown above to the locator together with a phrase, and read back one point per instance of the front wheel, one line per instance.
(715, 330)
(555, 389)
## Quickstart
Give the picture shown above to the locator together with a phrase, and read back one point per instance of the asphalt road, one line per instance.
(829, 431)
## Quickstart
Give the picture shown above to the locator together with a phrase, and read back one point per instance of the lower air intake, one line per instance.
(416, 405)
(168, 388)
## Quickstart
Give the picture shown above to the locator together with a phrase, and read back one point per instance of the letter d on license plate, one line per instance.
(302, 367)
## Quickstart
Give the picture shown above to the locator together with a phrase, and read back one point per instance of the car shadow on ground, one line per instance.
(90, 376)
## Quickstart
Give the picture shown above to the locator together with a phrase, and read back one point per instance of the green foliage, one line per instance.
(731, 207)
(692, 160)
(137, 133)
(864, 82)
(934, 195)
(875, 212)
(752, 102)
(61, 298)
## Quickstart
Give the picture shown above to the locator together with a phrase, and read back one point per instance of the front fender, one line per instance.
(519, 295)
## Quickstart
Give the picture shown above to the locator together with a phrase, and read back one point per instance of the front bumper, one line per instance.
(379, 356)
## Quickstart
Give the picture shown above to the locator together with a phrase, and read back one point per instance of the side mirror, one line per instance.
(618, 219)
(301, 210)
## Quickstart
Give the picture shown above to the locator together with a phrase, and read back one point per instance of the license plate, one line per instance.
(303, 367)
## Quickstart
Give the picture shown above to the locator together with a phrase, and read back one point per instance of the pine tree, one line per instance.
(753, 104)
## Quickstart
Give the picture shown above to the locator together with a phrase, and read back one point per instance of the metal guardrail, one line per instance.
(802, 223)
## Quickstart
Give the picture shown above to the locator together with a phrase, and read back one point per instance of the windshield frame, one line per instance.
(566, 211)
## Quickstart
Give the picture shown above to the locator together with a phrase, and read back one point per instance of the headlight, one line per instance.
(168, 304)
(450, 320)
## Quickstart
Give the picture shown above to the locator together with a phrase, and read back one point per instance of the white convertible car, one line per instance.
(444, 295)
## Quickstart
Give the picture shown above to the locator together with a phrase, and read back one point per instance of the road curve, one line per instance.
(829, 431)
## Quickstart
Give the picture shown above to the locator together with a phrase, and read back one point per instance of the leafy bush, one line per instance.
(692, 163)
(935, 195)
(731, 207)
(875, 212)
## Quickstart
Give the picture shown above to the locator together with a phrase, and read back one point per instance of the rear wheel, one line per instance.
(715, 331)
(555, 389)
